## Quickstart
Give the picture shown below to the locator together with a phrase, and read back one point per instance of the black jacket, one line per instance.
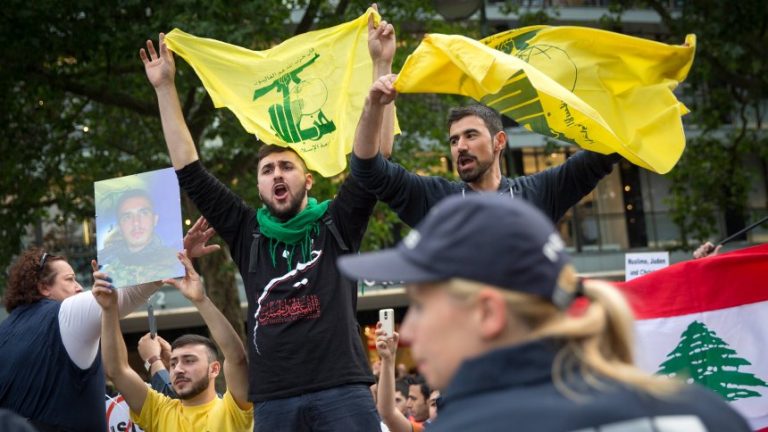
(553, 191)
(512, 389)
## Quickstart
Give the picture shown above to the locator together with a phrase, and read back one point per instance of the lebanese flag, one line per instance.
(708, 319)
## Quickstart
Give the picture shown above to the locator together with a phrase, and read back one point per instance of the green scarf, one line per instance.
(296, 231)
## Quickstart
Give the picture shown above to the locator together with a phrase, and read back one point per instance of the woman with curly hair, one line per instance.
(51, 372)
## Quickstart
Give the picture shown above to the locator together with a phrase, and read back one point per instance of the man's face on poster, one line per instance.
(137, 222)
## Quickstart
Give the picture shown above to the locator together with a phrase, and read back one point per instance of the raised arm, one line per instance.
(235, 360)
(368, 134)
(113, 350)
(381, 46)
(161, 71)
(566, 184)
(385, 398)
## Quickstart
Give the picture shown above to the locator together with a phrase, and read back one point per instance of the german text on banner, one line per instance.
(306, 93)
(602, 91)
(707, 320)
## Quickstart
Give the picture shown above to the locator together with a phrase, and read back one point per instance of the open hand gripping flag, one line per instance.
(306, 93)
(706, 321)
(602, 91)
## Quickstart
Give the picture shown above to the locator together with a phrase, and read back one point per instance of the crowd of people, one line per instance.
(489, 283)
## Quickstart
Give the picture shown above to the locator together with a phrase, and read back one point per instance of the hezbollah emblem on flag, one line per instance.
(306, 93)
(518, 99)
(298, 116)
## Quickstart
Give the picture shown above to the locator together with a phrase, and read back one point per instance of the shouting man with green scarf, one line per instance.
(308, 369)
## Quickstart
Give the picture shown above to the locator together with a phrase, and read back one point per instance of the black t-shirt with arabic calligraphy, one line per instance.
(303, 334)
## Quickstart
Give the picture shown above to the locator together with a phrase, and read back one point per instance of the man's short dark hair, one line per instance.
(420, 381)
(490, 117)
(193, 339)
(133, 193)
(268, 149)
(401, 386)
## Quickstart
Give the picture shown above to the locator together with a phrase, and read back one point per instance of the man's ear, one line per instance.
(499, 141)
(308, 180)
(215, 368)
(157, 218)
(492, 313)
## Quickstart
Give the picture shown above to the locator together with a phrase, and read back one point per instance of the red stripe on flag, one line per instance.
(722, 281)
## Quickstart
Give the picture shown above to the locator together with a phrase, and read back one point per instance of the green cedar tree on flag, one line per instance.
(704, 358)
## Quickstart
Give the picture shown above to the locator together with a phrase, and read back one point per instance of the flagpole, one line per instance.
(733, 236)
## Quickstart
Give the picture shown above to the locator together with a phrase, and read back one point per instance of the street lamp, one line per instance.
(454, 10)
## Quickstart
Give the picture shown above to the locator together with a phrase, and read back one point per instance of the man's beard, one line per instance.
(294, 206)
(475, 173)
(197, 388)
(138, 248)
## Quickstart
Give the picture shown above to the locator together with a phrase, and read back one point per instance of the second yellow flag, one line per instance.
(602, 91)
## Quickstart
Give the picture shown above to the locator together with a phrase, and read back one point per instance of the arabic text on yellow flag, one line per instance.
(306, 93)
(602, 91)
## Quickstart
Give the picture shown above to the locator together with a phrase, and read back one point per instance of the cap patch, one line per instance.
(553, 246)
(412, 239)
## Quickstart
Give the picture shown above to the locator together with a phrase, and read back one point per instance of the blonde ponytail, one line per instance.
(600, 340)
(596, 342)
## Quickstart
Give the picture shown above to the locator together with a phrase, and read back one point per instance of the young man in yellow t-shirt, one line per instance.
(194, 367)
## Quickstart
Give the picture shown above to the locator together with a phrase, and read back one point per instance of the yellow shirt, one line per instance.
(161, 413)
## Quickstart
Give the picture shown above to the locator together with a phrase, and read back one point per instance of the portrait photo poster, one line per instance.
(138, 227)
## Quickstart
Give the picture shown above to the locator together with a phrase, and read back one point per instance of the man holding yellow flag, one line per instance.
(477, 139)
(603, 91)
(307, 366)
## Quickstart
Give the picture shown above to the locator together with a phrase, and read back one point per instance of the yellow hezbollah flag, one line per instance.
(602, 91)
(306, 93)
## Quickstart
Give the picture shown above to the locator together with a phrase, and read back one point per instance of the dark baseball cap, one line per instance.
(486, 238)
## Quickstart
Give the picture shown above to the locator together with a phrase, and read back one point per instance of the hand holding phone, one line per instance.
(387, 319)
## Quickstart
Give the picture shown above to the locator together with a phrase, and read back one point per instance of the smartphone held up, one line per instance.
(387, 319)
